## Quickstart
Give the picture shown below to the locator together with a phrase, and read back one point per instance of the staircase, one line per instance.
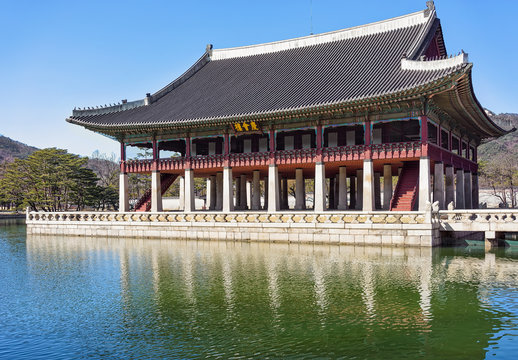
(144, 203)
(406, 190)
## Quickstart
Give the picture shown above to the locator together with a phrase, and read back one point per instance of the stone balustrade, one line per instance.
(343, 218)
(489, 221)
(376, 228)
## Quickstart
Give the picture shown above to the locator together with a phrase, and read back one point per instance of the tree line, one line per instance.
(54, 180)
(499, 174)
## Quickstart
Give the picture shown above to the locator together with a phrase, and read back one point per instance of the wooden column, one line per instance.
(123, 157)
(423, 121)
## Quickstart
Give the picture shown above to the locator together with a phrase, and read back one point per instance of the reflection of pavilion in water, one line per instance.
(388, 288)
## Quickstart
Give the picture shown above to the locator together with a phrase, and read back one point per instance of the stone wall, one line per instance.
(376, 228)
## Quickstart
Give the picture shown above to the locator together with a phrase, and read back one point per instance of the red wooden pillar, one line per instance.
(272, 145)
(424, 128)
(226, 150)
(123, 157)
(368, 138)
(319, 136)
(450, 141)
(188, 144)
(155, 155)
(226, 144)
(272, 140)
(423, 120)
(187, 162)
(439, 136)
(319, 143)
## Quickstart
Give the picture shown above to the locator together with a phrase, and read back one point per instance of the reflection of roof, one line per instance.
(339, 67)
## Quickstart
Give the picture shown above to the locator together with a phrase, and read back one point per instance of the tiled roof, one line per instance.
(337, 67)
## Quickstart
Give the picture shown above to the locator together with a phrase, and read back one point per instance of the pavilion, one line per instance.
(352, 109)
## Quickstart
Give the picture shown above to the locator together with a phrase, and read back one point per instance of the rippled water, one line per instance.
(107, 298)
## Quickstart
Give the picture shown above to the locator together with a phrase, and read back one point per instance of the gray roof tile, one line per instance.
(343, 70)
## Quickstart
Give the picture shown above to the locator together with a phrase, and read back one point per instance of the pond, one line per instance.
(65, 298)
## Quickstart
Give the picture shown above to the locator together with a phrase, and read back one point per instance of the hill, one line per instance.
(10, 149)
(507, 144)
(102, 165)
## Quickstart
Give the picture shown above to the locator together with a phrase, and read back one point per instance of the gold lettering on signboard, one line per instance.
(245, 126)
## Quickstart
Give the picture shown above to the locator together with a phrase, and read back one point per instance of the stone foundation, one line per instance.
(376, 228)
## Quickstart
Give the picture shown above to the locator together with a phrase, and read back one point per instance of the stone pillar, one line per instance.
(331, 204)
(320, 187)
(459, 190)
(352, 192)
(449, 183)
(189, 190)
(123, 193)
(208, 193)
(237, 199)
(274, 199)
(248, 194)
(337, 181)
(181, 194)
(359, 189)
(242, 198)
(438, 185)
(342, 188)
(219, 191)
(387, 186)
(467, 190)
(213, 192)
(265, 205)
(300, 201)
(156, 192)
(368, 185)
(228, 193)
(256, 190)
(424, 182)
(377, 191)
(284, 193)
(474, 191)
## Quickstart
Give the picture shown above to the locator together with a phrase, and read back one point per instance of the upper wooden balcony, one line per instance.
(402, 150)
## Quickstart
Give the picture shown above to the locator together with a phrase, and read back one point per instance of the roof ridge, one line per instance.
(201, 62)
(415, 18)
(435, 63)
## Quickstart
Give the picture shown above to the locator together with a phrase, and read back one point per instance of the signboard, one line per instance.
(245, 126)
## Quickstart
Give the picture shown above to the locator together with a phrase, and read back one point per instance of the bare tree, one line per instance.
(501, 176)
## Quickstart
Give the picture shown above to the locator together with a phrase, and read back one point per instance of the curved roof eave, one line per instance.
(482, 114)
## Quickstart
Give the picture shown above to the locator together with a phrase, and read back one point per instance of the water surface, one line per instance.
(125, 298)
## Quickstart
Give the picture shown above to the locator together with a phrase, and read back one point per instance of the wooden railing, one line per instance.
(400, 150)
(249, 159)
(295, 156)
(438, 153)
(344, 153)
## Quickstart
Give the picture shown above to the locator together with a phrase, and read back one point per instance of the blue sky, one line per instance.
(56, 55)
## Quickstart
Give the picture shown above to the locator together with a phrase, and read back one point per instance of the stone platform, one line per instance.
(371, 228)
